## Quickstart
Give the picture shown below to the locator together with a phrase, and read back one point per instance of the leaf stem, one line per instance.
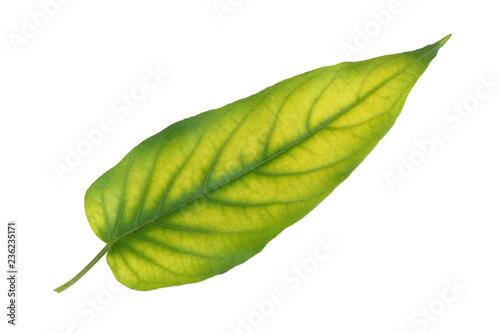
(85, 270)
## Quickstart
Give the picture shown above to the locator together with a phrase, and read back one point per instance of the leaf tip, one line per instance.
(427, 53)
(443, 41)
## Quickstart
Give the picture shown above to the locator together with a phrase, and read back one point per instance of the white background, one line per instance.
(398, 246)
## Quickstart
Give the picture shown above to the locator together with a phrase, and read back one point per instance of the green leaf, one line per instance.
(209, 192)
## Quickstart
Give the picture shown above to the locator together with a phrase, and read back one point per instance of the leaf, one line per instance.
(209, 192)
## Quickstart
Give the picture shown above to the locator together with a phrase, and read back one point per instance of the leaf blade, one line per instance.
(209, 192)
